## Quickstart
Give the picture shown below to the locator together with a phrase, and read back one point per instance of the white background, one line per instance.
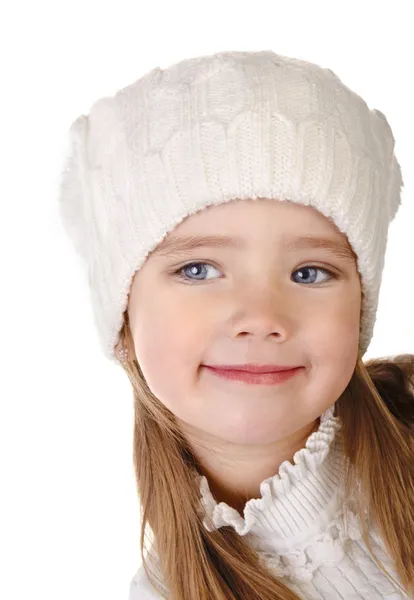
(69, 515)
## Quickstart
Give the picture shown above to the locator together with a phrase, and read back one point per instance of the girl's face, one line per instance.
(259, 301)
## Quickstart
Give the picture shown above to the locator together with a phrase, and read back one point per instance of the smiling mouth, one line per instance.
(255, 378)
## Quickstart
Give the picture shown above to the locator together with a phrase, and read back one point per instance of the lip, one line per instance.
(250, 368)
(269, 378)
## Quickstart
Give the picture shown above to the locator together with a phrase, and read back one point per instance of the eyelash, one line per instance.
(179, 272)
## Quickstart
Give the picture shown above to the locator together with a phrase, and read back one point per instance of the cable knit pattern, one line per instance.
(299, 530)
(212, 129)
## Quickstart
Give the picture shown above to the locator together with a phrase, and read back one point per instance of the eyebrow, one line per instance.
(175, 245)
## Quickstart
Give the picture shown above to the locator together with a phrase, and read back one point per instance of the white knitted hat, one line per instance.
(211, 129)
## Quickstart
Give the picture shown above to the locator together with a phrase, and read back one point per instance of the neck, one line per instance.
(236, 479)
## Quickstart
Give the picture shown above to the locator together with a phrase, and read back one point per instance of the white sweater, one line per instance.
(296, 528)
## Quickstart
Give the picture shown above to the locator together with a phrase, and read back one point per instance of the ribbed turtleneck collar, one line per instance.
(295, 502)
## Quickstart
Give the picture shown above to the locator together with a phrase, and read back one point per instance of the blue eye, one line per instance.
(304, 271)
(193, 266)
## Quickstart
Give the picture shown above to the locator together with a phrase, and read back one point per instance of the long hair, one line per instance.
(377, 415)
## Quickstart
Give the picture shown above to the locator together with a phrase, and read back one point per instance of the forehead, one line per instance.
(237, 225)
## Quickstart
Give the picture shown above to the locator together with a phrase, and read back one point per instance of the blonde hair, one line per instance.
(377, 415)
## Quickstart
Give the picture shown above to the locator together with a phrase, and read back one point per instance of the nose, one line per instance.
(264, 314)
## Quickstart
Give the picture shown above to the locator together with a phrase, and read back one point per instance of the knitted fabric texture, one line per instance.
(300, 530)
(216, 128)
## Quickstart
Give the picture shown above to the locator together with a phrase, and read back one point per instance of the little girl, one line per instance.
(232, 213)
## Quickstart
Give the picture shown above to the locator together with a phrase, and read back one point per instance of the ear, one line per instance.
(121, 352)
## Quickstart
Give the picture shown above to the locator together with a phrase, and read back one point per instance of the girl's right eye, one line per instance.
(194, 266)
(179, 273)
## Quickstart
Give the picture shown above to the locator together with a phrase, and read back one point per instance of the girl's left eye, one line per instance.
(194, 266)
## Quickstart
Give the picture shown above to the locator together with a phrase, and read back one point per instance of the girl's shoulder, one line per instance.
(140, 587)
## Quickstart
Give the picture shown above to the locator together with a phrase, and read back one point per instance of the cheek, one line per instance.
(334, 326)
(332, 340)
(168, 346)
